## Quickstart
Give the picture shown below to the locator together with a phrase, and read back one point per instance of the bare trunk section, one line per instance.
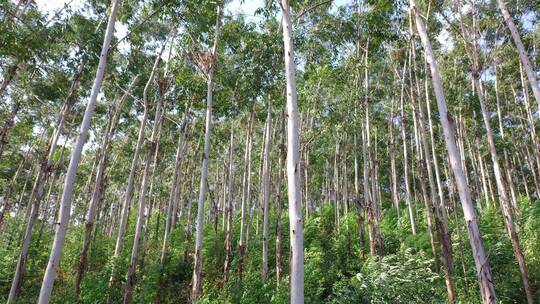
(473, 53)
(150, 150)
(246, 191)
(197, 269)
(128, 196)
(485, 278)
(229, 208)
(97, 193)
(293, 164)
(441, 224)
(405, 156)
(266, 189)
(46, 166)
(336, 184)
(65, 205)
(393, 171)
(169, 216)
(279, 254)
(524, 58)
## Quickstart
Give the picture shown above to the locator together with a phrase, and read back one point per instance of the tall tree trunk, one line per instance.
(151, 147)
(336, 184)
(345, 180)
(188, 228)
(523, 57)
(485, 278)
(293, 164)
(173, 197)
(501, 187)
(45, 168)
(151, 161)
(266, 189)
(97, 193)
(128, 196)
(65, 204)
(229, 208)
(405, 156)
(473, 53)
(197, 269)
(393, 171)
(279, 249)
(246, 191)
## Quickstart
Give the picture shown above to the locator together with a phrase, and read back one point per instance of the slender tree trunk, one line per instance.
(473, 53)
(279, 254)
(197, 269)
(266, 189)
(293, 164)
(45, 168)
(441, 224)
(336, 184)
(503, 194)
(180, 149)
(97, 193)
(128, 196)
(485, 278)
(368, 203)
(188, 228)
(65, 209)
(229, 208)
(345, 180)
(405, 157)
(246, 191)
(523, 57)
(393, 171)
(150, 150)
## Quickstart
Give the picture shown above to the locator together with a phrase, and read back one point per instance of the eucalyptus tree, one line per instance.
(78, 63)
(523, 54)
(151, 147)
(208, 67)
(293, 163)
(470, 41)
(99, 184)
(485, 278)
(65, 205)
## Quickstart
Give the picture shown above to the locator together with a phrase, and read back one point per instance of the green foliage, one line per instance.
(400, 278)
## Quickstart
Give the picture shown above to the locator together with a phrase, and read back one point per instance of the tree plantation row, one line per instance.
(302, 151)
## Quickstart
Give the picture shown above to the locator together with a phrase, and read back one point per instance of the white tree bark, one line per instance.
(134, 164)
(485, 278)
(65, 204)
(524, 58)
(197, 269)
(45, 167)
(98, 186)
(180, 148)
(246, 192)
(293, 164)
(266, 189)
(228, 208)
(142, 205)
